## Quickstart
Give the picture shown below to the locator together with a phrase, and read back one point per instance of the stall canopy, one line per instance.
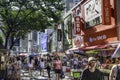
(93, 47)
(23, 54)
(71, 50)
(79, 52)
(116, 53)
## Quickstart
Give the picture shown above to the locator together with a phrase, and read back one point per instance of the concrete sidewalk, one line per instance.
(36, 76)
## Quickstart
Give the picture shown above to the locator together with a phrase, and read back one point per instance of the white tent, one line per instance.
(116, 52)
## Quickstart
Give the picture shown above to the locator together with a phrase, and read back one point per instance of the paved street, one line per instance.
(36, 76)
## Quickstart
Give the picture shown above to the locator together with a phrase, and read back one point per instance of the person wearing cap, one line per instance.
(91, 72)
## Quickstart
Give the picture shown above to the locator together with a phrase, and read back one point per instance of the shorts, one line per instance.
(57, 71)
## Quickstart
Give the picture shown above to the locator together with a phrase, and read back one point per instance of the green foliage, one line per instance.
(22, 16)
(1, 40)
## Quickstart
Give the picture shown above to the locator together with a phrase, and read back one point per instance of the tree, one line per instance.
(1, 41)
(19, 17)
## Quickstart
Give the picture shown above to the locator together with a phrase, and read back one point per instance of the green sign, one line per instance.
(76, 74)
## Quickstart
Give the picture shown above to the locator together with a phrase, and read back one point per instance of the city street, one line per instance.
(78, 39)
(36, 76)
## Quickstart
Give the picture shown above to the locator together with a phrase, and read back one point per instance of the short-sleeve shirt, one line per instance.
(87, 75)
(42, 64)
(58, 64)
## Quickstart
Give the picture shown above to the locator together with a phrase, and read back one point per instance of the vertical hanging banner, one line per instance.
(59, 34)
(77, 25)
(106, 12)
(43, 42)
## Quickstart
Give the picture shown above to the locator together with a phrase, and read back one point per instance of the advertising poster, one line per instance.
(43, 41)
(93, 13)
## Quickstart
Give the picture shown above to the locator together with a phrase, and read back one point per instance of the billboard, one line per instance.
(93, 13)
(77, 21)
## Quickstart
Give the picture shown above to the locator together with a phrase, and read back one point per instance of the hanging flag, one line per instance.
(77, 25)
(43, 41)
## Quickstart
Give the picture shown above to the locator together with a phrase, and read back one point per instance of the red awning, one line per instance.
(94, 47)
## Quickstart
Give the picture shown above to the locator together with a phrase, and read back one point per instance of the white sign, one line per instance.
(92, 10)
(78, 41)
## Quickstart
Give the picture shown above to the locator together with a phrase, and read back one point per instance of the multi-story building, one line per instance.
(95, 24)
(69, 4)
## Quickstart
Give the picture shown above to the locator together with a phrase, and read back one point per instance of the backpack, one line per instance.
(118, 74)
(62, 75)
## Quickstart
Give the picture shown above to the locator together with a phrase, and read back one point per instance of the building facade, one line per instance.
(95, 24)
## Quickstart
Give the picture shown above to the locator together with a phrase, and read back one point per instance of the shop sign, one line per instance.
(59, 34)
(77, 25)
(78, 41)
(73, 13)
(77, 10)
(106, 12)
(93, 13)
(70, 29)
(101, 37)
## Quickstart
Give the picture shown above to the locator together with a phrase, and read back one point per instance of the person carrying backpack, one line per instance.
(115, 71)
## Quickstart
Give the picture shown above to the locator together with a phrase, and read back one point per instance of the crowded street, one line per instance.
(59, 39)
(36, 76)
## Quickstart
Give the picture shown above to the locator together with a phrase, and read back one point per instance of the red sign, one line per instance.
(106, 12)
(77, 21)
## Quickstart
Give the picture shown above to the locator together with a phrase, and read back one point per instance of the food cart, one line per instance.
(75, 74)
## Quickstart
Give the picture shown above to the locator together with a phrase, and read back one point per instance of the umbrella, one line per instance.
(80, 52)
(32, 55)
(23, 54)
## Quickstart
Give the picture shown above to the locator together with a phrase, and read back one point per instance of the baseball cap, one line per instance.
(91, 59)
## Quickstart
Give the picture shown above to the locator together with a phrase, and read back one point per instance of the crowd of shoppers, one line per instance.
(90, 66)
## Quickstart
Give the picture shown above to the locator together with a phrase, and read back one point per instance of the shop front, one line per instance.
(105, 42)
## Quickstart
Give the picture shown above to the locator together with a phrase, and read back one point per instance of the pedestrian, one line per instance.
(19, 67)
(42, 66)
(91, 72)
(30, 66)
(75, 63)
(14, 68)
(114, 70)
(36, 62)
(48, 67)
(58, 67)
